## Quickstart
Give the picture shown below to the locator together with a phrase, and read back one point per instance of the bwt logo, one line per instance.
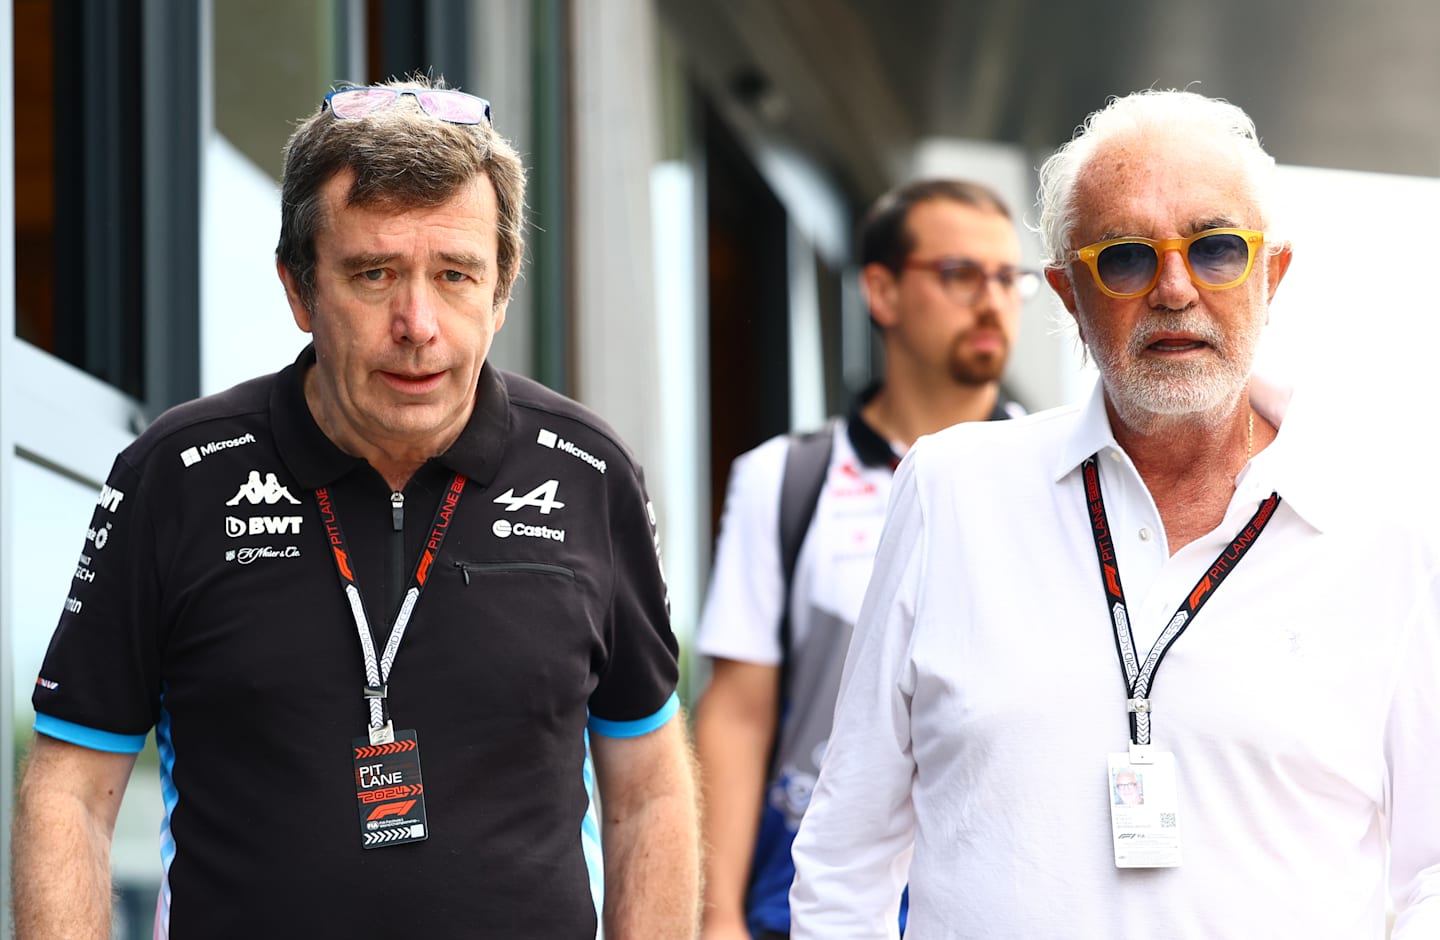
(110, 498)
(263, 525)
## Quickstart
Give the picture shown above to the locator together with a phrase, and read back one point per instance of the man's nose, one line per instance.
(414, 320)
(1173, 288)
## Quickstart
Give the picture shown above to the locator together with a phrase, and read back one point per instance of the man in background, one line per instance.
(942, 277)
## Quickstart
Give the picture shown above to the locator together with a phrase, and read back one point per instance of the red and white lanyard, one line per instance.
(377, 669)
(1140, 677)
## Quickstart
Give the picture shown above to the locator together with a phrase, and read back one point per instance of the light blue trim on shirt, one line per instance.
(93, 738)
(590, 842)
(640, 726)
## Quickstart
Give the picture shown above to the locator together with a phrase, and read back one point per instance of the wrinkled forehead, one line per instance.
(1140, 185)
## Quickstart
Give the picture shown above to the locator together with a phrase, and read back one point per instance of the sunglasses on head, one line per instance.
(1217, 259)
(454, 107)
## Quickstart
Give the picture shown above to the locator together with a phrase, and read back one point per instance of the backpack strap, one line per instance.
(806, 463)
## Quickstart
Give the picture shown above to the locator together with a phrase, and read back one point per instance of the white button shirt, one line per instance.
(983, 691)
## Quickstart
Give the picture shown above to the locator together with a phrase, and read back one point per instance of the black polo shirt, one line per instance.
(206, 604)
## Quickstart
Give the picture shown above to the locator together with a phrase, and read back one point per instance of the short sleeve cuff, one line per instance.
(92, 738)
(640, 726)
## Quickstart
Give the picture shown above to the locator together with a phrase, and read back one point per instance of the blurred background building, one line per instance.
(696, 169)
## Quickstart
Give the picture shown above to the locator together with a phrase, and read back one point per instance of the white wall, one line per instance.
(1357, 319)
(245, 325)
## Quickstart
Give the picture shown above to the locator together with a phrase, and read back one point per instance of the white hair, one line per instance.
(1154, 114)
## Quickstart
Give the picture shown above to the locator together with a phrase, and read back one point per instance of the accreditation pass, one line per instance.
(1144, 810)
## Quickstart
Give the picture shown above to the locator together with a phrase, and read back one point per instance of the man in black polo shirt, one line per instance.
(387, 560)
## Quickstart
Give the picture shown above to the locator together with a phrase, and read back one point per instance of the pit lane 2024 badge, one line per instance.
(389, 792)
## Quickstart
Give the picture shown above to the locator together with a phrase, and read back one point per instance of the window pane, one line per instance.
(274, 61)
(77, 185)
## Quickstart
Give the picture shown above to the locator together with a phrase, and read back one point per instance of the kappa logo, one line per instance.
(541, 497)
(190, 456)
(556, 442)
(263, 525)
(255, 492)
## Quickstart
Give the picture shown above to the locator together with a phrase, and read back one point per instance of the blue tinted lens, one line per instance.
(1126, 268)
(1218, 259)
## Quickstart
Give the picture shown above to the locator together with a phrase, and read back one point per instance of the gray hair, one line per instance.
(401, 158)
(1149, 114)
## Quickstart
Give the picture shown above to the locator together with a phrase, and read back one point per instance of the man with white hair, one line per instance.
(1186, 516)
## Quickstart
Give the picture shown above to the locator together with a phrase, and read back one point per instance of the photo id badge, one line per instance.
(389, 792)
(1144, 815)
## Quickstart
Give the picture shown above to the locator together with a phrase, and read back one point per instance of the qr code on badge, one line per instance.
(1167, 820)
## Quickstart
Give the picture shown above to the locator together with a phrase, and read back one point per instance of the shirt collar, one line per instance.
(1286, 467)
(874, 451)
(314, 460)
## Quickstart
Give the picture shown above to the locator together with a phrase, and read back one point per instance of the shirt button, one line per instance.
(1144, 534)
(1115, 455)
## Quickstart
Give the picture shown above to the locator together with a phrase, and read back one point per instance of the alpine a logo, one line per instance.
(556, 442)
(190, 456)
(255, 491)
(263, 525)
(541, 497)
(504, 528)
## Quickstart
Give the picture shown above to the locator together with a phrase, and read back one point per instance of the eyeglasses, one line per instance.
(1217, 259)
(964, 280)
(455, 107)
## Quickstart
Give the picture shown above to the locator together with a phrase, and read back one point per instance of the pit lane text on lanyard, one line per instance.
(389, 791)
(1142, 780)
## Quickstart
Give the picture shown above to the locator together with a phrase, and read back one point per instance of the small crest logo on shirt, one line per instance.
(246, 556)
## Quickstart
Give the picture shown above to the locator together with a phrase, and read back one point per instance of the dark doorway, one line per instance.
(749, 306)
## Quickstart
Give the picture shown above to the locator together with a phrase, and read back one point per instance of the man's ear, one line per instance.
(298, 309)
(879, 286)
(1060, 283)
(1277, 263)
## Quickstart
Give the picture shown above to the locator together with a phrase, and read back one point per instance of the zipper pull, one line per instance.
(397, 510)
(464, 571)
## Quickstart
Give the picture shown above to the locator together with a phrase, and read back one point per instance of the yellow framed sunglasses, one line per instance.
(1217, 259)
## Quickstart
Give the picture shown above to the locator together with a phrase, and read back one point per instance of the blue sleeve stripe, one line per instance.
(92, 738)
(640, 726)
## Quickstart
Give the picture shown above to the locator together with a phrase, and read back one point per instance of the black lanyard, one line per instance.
(377, 669)
(1139, 677)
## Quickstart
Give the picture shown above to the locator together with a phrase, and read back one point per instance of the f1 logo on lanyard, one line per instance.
(1143, 793)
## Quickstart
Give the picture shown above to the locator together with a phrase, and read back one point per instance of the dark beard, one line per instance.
(968, 368)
